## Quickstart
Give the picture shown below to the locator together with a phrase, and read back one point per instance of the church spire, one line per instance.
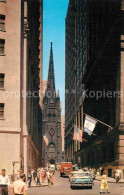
(51, 79)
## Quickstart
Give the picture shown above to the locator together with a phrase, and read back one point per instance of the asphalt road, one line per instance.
(62, 187)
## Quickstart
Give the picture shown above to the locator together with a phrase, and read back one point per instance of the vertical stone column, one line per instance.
(79, 127)
(122, 80)
(25, 133)
(76, 140)
(121, 126)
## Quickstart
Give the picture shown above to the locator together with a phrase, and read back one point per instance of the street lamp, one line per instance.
(13, 163)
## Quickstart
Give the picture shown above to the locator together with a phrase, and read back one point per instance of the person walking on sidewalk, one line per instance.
(21, 172)
(38, 177)
(43, 176)
(52, 178)
(4, 183)
(19, 187)
(29, 178)
(35, 175)
(118, 175)
(104, 183)
(49, 178)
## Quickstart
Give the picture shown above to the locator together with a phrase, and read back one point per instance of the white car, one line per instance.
(74, 174)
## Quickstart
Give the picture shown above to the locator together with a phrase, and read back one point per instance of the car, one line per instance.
(72, 174)
(82, 179)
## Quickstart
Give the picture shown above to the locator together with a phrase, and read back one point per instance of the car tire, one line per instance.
(72, 187)
(90, 187)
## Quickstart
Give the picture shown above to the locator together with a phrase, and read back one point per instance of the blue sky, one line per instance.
(54, 12)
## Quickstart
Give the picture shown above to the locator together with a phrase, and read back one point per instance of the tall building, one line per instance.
(63, 136)
(94, 72)
(63, 132)
(20, 78)
(52, 152)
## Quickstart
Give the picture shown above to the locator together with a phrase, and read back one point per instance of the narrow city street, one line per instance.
(62, 187)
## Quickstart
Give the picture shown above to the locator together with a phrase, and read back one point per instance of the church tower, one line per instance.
(51, 130)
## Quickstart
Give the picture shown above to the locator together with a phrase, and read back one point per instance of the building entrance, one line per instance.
(52, 161)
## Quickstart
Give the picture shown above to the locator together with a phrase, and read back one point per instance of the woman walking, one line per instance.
(43, 176)
(52, 178)
(104, 183)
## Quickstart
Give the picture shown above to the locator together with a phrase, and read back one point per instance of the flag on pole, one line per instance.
(45, 137)
(89, 125)
(77, 134)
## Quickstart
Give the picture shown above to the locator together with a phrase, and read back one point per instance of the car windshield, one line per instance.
(82, 174)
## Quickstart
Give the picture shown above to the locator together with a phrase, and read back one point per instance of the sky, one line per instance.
(54, 13)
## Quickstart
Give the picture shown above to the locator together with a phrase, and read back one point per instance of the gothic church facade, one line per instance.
(51, 129)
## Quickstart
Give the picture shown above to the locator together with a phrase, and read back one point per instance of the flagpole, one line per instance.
(99, 121)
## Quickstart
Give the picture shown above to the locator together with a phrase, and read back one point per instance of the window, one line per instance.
(2, 80)
(2, 22)
(1, 111)
(2, 46)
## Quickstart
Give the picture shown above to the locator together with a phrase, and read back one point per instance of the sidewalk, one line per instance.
(110, 180)
(33, 184)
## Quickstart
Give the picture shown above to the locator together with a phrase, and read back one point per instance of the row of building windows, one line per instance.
(2, 51)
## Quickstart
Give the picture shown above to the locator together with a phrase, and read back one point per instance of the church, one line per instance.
(51, 120)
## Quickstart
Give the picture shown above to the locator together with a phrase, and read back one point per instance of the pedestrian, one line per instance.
(43, 176)
(21, 172)
(4, 183)
(29, 178)
(104, 183)
(38, 177)
(52, 178)
(118, 175)
(35, 175)
(92, 174)
(48, 178)
(97, 174)
(114, 173)
(19, 186)
(32, 173)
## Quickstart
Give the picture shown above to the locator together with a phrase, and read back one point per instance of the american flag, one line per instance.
(77, 134)
(45, 137)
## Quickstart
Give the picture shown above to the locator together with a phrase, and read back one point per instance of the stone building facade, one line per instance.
(20, 78)
(51, 153)
(94, 63)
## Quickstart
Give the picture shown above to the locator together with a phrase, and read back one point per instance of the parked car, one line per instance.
(82, 179)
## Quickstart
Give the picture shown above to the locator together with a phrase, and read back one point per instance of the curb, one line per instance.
(38, 186)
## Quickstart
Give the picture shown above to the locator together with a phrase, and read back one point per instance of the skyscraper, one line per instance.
(94, 62)
(20, 78)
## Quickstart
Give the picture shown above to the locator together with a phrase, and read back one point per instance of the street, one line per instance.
(62, 187)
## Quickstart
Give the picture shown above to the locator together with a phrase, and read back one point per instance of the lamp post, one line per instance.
(13, 163)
